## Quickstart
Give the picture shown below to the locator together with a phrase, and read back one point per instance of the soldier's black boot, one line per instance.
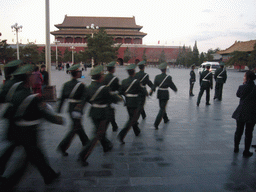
(247, 145)
(237, 142)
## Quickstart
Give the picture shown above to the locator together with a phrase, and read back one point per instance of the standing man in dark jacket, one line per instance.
(245, 113)
(163, 82)
(45, 77)
(144, 80)
(206, 84)
(76, 93)
(112, 82)
(192, 80)
(131, 89)
(220, 77)
(100, 98)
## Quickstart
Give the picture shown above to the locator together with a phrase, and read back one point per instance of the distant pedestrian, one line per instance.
(192, 80)
(112, 82)
(38, 81)
(45, 77)
(205, 85)
(245, 113)
(76, 93)
(220, 77)
(144, 80)
(163, 82)
(67, 67)
(100, 99)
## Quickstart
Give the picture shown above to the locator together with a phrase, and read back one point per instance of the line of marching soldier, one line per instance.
(27, 109)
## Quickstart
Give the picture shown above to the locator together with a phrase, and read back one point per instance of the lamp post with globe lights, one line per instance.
(72, 48)
(56, 43)
(92, 27)
(17, 28)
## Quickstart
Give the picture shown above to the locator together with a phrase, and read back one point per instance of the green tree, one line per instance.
(239, 58)
(127, 55)
(101, 47)
(67, 55)
(252, 58)
(29, 53)
(195, 56)
(6, 52)
(208, 55)
(162, 57)
(201, 58)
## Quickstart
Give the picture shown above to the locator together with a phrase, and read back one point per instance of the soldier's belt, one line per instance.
(99, 105)
(144, 86)
(163, 89)
(74, 100)
(112, 92)
(131, 95)
(219, 77)
(26, 123)
(205, 80)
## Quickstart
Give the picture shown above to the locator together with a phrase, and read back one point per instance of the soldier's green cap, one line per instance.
(142, 62)
(162, 65)
(13, 63)
(130, 67)
(73, 67)
(96, 70)
(193, 65)
(25, 69)
(111, 64)
(222, 63)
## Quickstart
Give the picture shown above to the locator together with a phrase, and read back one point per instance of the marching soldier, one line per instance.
(131, 89)
(76, 93)
(100, 99)
(192, 80)
(11, 85)
(26, 113)
(206, 84)
(163, 81)
(144, 80)
(112, 82)
(220, 77)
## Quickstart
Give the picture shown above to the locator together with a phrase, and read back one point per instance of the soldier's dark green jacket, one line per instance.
(80, 95)
(192, 76)
(6, 87)
(103, 98)
(205, 79)
(143, 79)
(220, 75)
(136, 89)
(164, 94)
(114, 86)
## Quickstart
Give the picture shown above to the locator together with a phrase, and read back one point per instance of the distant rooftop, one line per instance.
(246, 46)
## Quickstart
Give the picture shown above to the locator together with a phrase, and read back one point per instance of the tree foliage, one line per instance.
(239, 58)
(195, 55)
(101, 47)
(162, 57)
(127, 55)
(252, 58)
(6, 52)
(29, 53)
(144, 56)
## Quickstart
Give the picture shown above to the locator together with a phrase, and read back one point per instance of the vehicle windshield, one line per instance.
(215, 66)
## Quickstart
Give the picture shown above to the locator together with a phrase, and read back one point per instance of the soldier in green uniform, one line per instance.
(192, 80)
(206, 84)
(11, 85)
(26, 112)
(163, 81)
(220, 77)
(112, 82)
(144, 80)
(131, 89)
(76, 93)
(100, 98)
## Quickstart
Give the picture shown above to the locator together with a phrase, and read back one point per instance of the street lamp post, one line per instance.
(92, 27)
(72, 48)
(16, 28)
(56, 43)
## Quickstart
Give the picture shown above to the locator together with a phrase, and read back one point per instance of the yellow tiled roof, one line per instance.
(246, 46)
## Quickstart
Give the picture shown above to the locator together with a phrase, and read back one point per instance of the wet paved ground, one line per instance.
(193, 152)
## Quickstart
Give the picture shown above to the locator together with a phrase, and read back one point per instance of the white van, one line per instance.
(214, 66)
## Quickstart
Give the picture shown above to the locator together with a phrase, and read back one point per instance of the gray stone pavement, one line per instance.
(193, 152)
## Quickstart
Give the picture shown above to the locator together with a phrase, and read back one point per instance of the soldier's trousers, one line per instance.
(191, 88)
(76, 128)
(134, 114)
(201, 92)
(99, 135)
(248, 134)
(162, 112)
(218, 91)
(142, 103)
(112, 118)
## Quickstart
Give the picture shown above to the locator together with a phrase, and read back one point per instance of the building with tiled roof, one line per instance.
(75, 29)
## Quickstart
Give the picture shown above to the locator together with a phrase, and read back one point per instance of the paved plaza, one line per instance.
(193, 152)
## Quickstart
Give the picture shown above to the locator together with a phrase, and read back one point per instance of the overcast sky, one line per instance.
(212, 23)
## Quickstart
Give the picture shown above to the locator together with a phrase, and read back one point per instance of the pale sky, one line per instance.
(212, 23)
